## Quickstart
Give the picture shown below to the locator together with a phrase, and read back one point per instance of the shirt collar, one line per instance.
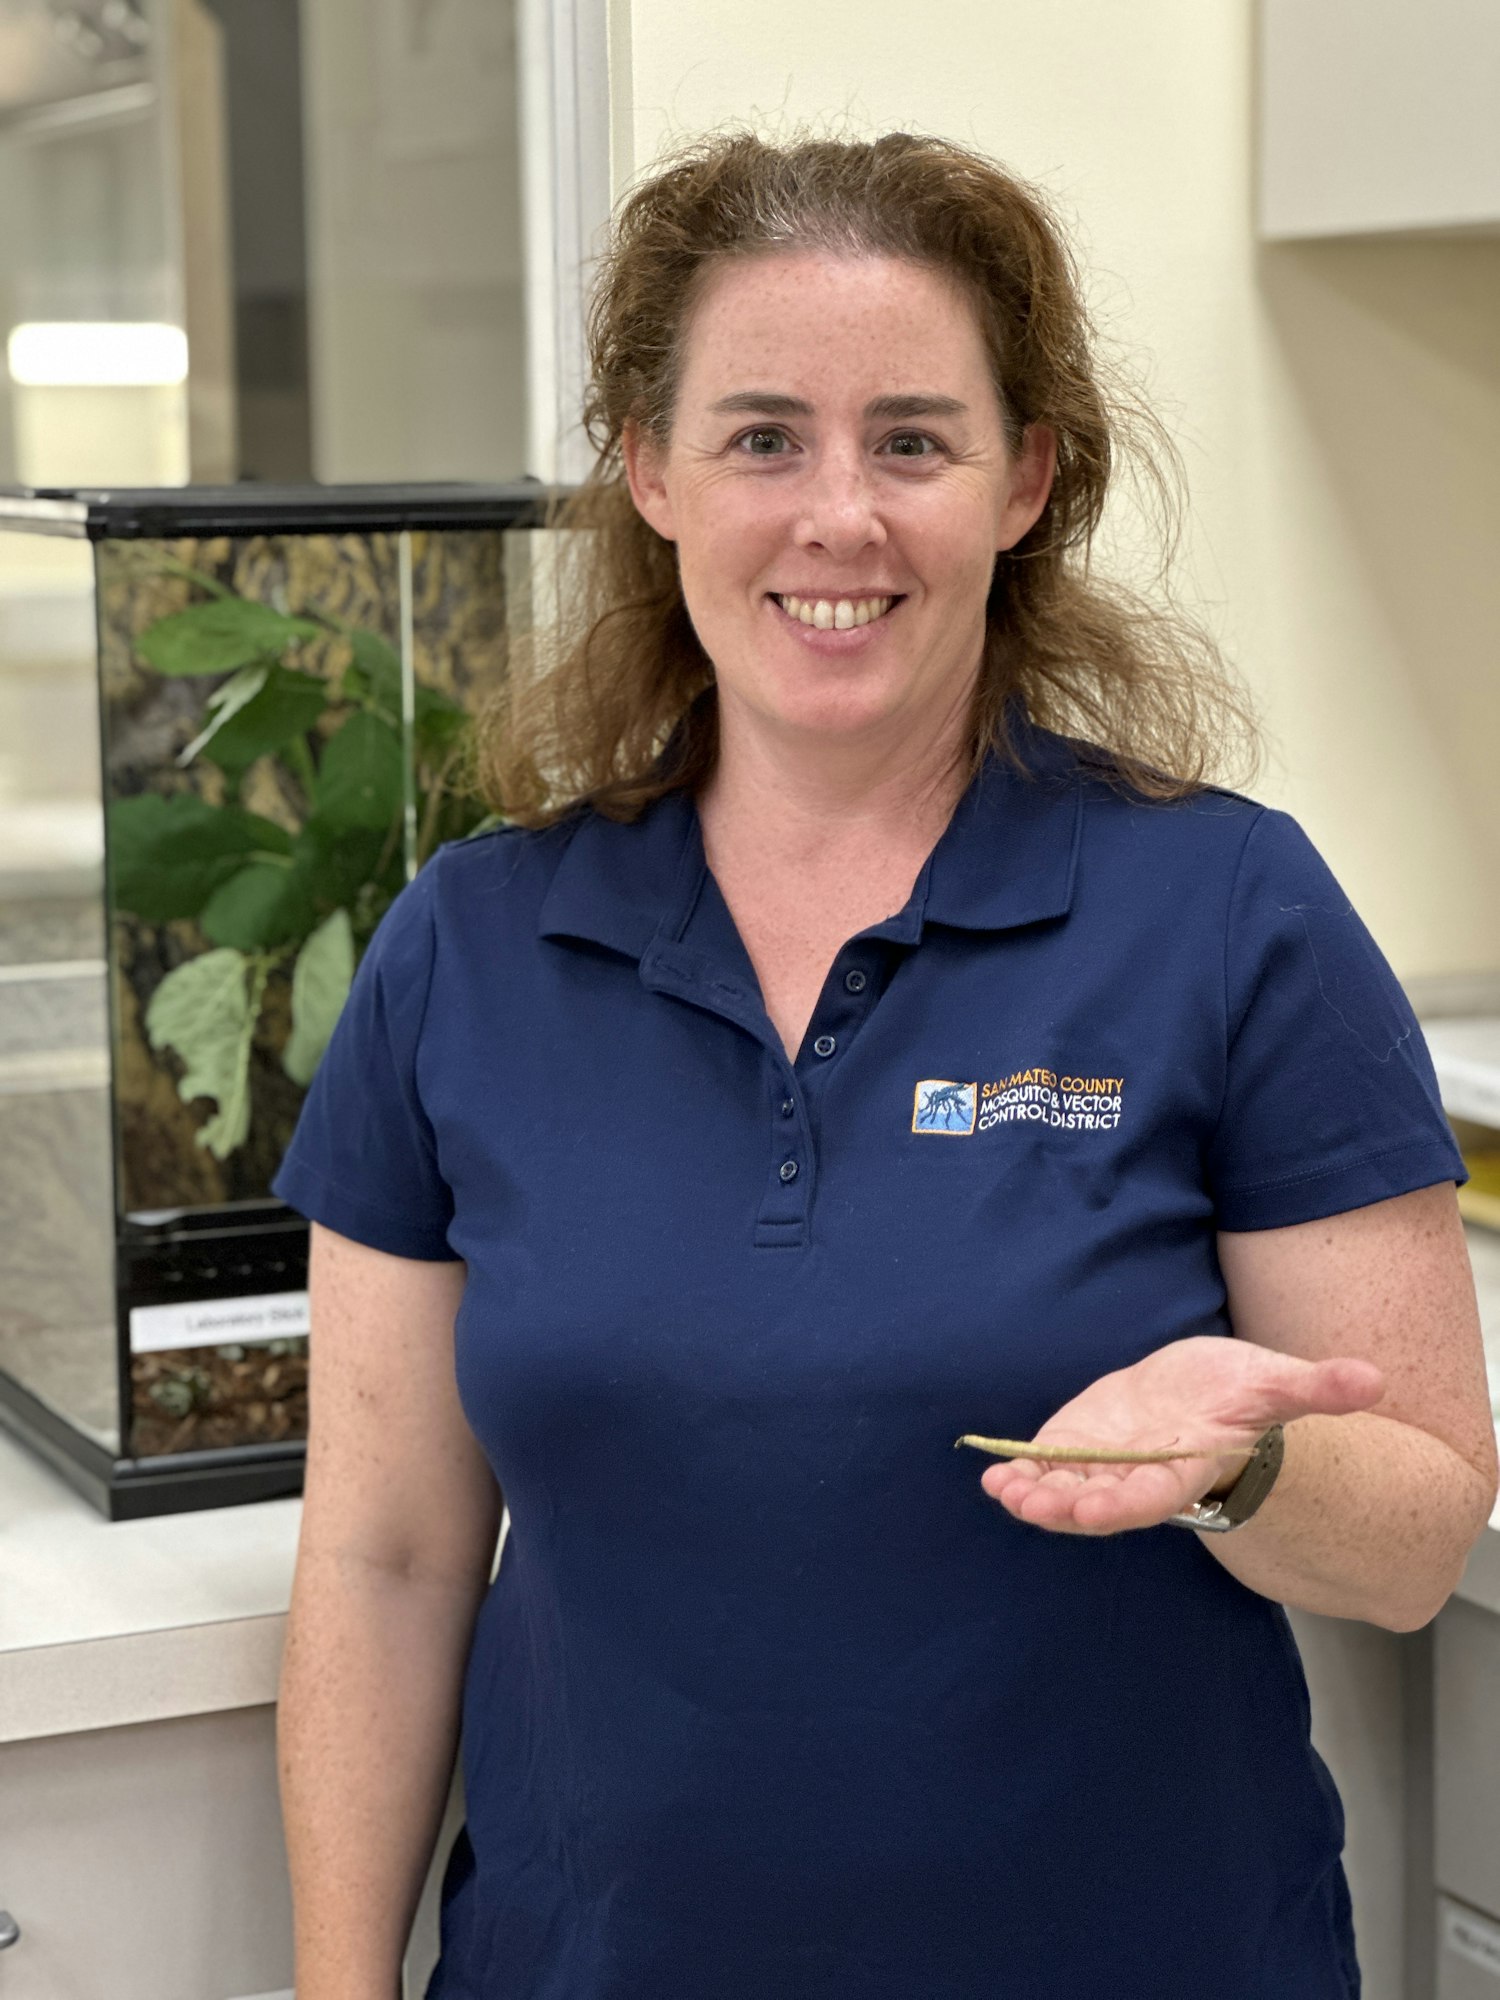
(1007, 857)
(1009, 854)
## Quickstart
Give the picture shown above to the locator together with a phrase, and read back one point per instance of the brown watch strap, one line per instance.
(1224, 1511)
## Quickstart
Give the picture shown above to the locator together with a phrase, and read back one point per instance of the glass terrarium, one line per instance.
(233, 723)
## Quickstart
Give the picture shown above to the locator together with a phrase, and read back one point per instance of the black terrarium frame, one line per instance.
(287, 685)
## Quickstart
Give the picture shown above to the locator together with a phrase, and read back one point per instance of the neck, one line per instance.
(797, 798)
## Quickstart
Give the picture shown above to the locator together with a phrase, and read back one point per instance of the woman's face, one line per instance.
(838, 443)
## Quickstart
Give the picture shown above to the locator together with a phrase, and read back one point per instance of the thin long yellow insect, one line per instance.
(1083, 1454)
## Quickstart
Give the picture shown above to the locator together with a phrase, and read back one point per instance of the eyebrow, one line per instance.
(766, 403)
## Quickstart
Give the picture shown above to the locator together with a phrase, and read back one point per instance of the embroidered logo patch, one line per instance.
(1027, 1096)
(942, 1106)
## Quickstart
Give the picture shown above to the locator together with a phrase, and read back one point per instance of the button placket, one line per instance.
(841, 1017)
(782, 1221)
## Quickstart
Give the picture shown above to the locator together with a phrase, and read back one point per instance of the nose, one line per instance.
(840, 511)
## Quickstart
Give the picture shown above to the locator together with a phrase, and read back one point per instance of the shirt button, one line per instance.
(789, 1170)
(855, 981)
(824, 1045)
(788, 1106)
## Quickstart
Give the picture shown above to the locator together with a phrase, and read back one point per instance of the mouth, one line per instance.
(837, 614)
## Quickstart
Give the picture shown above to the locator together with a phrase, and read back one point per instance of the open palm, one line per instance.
(1206, 1393)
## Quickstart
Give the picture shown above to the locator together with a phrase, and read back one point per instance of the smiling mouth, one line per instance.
(837, 614)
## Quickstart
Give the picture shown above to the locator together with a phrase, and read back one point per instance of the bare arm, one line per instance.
(398, 1537)
(1359, 1333)
(1374, 1513)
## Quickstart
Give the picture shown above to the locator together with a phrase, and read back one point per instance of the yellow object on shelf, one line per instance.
(1479, 1201)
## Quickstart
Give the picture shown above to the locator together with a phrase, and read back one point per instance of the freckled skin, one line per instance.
(919, 505)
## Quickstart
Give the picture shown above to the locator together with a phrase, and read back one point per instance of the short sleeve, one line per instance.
(363, 1159)
(1330, 1101)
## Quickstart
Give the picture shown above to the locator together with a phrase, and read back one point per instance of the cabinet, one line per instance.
(1469, 1953)
(146, 1863)
(1376, 116)
(1466, 1798)
(1466, 1637)
(141, 1849)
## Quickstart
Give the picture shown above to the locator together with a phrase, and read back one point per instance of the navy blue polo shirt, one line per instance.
(769, 1701)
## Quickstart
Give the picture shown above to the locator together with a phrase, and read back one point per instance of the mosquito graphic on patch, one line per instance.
(941, 1105)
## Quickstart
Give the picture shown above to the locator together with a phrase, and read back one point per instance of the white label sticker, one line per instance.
(1472, 1936)
(218, 1322)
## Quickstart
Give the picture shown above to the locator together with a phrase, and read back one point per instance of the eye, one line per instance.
(764, 434)
(907, 438)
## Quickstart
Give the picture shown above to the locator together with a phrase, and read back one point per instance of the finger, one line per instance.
(1347, 1382)
(1282, 1387)
(1067, 1501)
(1052, 1500)
(1077, 1509)
(1331, 1388)
(1014, 1471)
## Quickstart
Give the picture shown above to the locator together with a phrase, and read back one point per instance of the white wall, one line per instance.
(1338, 405)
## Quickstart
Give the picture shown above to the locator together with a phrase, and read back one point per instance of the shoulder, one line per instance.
(1211, 822)
(488, 886)
(1214, 853)
(503, 869)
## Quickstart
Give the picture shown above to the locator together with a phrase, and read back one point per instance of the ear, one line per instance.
(644, 472)
(1032, 473)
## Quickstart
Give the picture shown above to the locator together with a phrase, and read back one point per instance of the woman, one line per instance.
(837, 1060)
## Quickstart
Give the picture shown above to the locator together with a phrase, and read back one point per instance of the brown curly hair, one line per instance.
(613, 668)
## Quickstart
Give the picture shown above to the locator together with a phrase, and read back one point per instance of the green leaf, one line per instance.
(438, 730)
(206, 1011)
(320, 986)
(379, 664)
(360, 778)
(168, 855)
(218, 637)
(263, 905)
(286, 705)
(339, 861)
(375, 676)
(226, 700)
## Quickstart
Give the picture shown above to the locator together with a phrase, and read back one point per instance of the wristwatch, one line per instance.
(1223, 1511)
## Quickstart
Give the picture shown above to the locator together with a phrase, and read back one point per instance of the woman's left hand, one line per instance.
(1205, 1391)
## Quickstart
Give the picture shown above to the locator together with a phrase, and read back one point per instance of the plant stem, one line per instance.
(298, 759)
(437, 794)
(392, 836)
(173, 567)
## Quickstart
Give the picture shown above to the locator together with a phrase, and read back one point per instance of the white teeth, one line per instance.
(836, 614)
